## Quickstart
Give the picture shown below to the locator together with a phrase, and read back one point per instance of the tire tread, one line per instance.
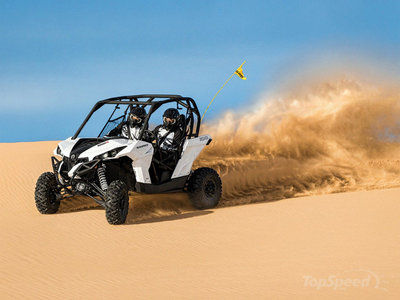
(195, 188)
(117, 191)
(44, 183)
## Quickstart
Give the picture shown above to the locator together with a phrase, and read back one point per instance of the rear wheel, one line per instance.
(205, 188)
(46, 194)
(117, 202)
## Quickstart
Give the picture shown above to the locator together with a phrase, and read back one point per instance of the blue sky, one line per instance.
(57, 58)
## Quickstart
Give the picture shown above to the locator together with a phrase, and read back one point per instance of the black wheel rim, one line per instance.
(209, 188)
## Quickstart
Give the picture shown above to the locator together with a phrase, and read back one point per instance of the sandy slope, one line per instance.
(167, 250)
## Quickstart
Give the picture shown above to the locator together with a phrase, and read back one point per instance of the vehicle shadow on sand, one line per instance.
(151, 208)
(131, 220)
(142, 208)
(78, 203)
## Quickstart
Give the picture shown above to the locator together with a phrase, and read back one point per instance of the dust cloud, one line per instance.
(329, 136)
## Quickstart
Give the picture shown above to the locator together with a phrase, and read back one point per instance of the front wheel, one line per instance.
(205, 188)
(117, 202)
(46, 192)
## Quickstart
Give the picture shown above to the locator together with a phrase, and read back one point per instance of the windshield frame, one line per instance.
(149, 100)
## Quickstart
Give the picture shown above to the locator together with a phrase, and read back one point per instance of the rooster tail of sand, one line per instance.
(332, 137)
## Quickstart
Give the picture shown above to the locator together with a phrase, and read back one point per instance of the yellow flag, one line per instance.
(239, 72)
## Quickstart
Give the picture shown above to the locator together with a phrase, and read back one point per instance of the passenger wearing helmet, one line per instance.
(131, 128)
(169, 134)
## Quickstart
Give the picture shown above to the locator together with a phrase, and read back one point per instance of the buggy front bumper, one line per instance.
(80, 169)
(56, 164)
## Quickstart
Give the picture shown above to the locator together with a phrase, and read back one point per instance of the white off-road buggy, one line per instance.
(105, 168)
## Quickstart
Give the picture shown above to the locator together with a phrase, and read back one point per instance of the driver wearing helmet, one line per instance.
(131, 128)
(169, 134)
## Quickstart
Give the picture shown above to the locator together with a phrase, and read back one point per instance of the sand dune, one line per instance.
(276, 250)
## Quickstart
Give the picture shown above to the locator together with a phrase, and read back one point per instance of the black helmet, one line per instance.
(136, 116)
(170, 117)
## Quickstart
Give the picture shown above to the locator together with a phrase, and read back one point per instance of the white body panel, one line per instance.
(66, 146)
(191, 149)
(140, 152)
(105, 147)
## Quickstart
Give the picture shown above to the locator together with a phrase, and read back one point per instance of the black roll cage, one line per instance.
(150, 100)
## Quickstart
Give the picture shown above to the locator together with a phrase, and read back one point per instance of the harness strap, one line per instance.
(160, 141)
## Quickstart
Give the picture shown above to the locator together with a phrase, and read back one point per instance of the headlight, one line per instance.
(109, 154)
(59, 151)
